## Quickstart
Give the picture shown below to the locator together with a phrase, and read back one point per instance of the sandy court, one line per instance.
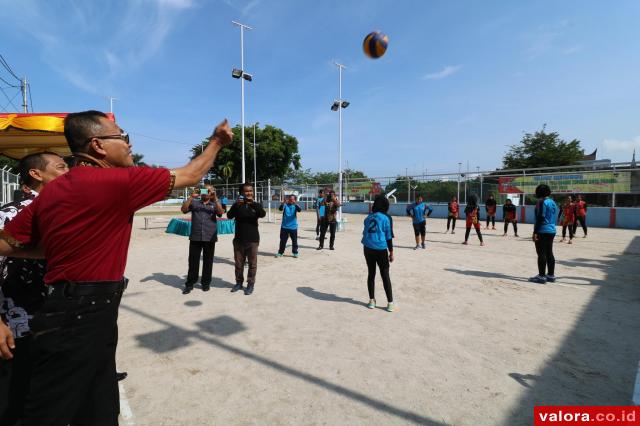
(472, 342)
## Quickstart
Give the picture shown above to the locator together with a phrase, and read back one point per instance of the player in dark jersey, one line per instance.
(509, 215)
(454, 208)
(490, 206)
(568, 216)
(581, 216)
(471, 212)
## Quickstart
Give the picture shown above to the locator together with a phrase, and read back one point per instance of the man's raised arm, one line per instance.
(191, 174)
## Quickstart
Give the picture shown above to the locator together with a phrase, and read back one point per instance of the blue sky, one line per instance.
(461, 80)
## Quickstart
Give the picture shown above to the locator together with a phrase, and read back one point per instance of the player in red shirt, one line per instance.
(509, 215)
(454, 209)
(85, 239)
(491, 206)
(568, 215)
(581, 216)
(471, 211)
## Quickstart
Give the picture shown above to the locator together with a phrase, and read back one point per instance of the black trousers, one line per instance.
(208, 249)
(323, 232)
(466, 233)
(381, 259)
(284, 236)
(583, 223)
(73, 349)
(449, 220)
(544, 248)
(318, 225)
(571, 227)
(515, 226)
(491, 219)
(15, 375)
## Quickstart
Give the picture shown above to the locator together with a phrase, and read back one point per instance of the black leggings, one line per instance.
(544, 248)
(466, 234)
(381, 258)
(515, 226)
(583, 223)
(491, 219)
(449, 219)
(332, 232)
(571, 230)
(318, 228)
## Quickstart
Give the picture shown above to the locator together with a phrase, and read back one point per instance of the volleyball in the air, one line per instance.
(375, 44)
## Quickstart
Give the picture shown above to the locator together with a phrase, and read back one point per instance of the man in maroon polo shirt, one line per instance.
(85, 239)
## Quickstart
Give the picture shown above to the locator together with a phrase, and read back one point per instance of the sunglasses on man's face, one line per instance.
(124, 136)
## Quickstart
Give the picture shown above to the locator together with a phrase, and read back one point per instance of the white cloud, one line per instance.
(98, 42)
(444, 73)
(621, 145)
(243, 6)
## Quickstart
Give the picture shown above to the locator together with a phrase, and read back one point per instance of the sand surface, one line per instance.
(472, 342)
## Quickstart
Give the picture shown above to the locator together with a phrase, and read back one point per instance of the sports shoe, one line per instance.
(493, 228)
(206, 287)
(465, 243)
(331, 248)
(482, 243)
(248, 290)
(296, 255)
(453, 232)
(236, 287)
(504, 235)
(423, 246)
(372, 304)
(551, 278)
(390, 307)
(317, 238)
(570, 242)
(417, 247)
(187, 289)
(538, 279)
(319, 248)
(517, 236)
(278, 254)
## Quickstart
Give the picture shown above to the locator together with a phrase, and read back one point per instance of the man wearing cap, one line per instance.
(85, 239)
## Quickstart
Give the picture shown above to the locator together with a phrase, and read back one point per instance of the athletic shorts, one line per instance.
(420, 228)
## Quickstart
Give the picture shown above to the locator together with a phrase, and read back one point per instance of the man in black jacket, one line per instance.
(246, 212)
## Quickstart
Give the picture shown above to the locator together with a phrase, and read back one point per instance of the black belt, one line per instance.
(87, 288)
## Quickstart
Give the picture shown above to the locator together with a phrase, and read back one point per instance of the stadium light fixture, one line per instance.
(236, 73)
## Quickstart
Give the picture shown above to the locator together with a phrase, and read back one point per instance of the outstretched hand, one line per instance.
(222, 133)
(7, 343)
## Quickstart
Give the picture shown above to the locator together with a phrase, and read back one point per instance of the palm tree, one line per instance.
(227, 171)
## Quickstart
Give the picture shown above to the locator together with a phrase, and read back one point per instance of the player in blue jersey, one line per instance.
(544, 232)
(289, 227)
(419, 211)
(377, 239)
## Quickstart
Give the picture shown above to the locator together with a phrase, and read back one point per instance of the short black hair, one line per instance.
(30, 162)
(380, 204)
(321, 191)
(543, 190)
(243, 185)
(80, 126)
(473, 200)
(419, 196)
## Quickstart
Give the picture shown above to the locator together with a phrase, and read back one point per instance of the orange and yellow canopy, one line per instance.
(24, 134)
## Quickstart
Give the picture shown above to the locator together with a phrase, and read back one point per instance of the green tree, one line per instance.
(137, 160)
(542, 149)
(277, 155)
(9, 163)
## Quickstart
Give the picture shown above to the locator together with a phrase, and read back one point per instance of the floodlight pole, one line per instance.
(255, 170)
(459, 170)
(242, 27)
(340, 67)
